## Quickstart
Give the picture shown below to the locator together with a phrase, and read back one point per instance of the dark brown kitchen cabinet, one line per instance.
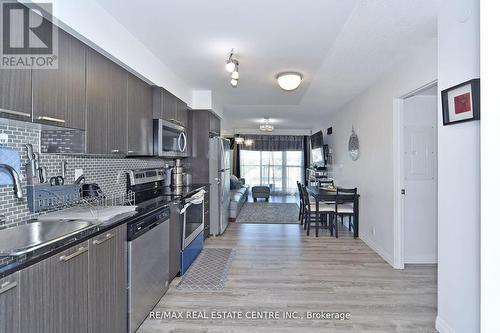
(54, 293)
(140, 117)
(106, 106)
(59, 94)
(181, 112)
(15, 94)
(168, 107)
(164, 104)
(108, 282)
(214, 121)
(9, 303)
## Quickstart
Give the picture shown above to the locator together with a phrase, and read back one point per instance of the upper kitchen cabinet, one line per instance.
(15, 94)
(182, 112)
(168, 107)
(106, 105)
(59, 94)
(140, 117)
(164, 104)
(214, 121)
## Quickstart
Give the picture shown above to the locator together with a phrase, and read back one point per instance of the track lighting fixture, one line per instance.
(232, 66)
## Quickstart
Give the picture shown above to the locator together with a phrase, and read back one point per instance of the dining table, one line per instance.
(324, 194)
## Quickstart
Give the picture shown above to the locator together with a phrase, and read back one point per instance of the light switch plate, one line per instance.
(78, 173)
(4, 138)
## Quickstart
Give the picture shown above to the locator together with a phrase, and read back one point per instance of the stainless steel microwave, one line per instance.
(170, 139)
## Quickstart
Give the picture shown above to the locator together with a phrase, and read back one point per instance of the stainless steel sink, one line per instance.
(21, 239)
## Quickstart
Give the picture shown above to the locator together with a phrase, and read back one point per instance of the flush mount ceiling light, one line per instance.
(289, 80)
(266, 127)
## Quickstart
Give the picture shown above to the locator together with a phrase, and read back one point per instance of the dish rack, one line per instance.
(46, 198)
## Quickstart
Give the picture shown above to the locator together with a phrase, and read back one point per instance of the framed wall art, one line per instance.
(461, 102)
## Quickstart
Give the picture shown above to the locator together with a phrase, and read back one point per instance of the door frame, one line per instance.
(398, 262)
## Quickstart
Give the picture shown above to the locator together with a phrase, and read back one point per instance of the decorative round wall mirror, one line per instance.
(354, 146)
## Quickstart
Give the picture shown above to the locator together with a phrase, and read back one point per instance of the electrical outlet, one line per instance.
(78, 173)
(4, 138)
(373, 231)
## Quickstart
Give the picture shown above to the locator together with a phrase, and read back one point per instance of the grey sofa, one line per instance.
(238, 197)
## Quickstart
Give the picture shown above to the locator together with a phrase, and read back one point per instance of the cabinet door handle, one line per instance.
(81, 250)
(55, 120)
(106, 238)
(16, 113)
(7, 286)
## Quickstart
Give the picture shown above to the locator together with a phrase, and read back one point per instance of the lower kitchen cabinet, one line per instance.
(9, 304)
(108, 282)
(54, 293)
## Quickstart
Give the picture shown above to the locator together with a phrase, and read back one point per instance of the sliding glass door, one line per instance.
(278, 169)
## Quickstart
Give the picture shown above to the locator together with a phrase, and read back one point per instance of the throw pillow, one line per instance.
(234, 183)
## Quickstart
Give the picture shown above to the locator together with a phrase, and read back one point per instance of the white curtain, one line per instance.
(280, 170)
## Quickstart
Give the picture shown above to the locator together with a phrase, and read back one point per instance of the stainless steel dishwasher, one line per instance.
(148, 264)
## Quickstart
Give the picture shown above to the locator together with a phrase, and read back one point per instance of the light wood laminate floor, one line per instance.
(278, 268)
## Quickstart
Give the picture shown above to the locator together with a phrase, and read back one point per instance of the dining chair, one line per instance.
(301, 203)
(343, 208)
(326, 212)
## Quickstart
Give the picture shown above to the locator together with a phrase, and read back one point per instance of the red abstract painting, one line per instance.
(462, 103)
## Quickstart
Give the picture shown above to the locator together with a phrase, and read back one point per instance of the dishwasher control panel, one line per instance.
(145, 223)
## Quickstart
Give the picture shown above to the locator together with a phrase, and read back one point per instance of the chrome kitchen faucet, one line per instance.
(15, 178)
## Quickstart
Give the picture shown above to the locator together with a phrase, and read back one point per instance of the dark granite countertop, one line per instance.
(10, 265)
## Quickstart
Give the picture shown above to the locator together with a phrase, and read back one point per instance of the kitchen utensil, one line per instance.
(178, 174)
(30, 155)
(79, 180)
(42, 175)
(56, 181)
(188, 179)
(168, 176)
(36, 158)
(63, 169)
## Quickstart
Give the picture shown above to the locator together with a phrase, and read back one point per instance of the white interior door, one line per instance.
(419, 166)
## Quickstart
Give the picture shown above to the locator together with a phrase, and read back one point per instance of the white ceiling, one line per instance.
(341, 47)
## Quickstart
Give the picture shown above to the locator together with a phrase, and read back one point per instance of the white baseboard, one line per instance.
(375, 247)
(420, 260)
(442, 326)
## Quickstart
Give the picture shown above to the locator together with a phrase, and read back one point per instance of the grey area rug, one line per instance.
(209, 271)
(268, 212)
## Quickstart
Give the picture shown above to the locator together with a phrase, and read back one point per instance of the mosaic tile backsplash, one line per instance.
(107, 171)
